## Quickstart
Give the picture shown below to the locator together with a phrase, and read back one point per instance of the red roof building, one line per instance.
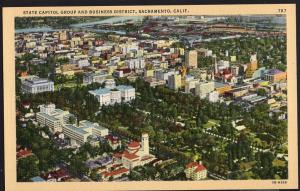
(23, 153)
(195, 171)
(115, 174)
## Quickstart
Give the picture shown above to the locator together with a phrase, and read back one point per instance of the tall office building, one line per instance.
(191, 59)
(174, 81)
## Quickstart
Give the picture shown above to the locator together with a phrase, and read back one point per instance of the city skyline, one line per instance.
(151, 98)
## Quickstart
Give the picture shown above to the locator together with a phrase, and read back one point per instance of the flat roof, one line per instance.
(123, 87)
(78, 130)
(100, 91)
(48, 116)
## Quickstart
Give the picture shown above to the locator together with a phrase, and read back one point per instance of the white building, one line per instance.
(213, 96)
(136, 63)
(80, 134)
(89, 78)
(81, 62)
(53, 118)
(37, 85)
(115, 96)
(190, 83)
(112, 94)
(110, 84)
(202, 89)
(163, 74)
(128, 47)
(127, 93)
(102, 95)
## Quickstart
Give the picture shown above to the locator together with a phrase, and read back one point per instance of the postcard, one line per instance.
(150, 97)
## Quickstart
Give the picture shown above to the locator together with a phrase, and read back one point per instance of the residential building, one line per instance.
(164, 74)
(195, 171)
(136, 63)
(59, 175)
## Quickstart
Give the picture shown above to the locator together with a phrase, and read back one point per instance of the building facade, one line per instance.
(174, 81)
(89, 78)
(191, 59)
(195, 171)
(112, 94)
(53, 118)
(37, 85)
(202, 89)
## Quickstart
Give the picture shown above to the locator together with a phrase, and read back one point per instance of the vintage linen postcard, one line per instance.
(150, 97)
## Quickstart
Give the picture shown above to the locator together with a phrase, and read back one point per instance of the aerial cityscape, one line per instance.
(152, 98)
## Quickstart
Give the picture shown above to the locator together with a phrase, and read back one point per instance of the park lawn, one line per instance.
(69, 84)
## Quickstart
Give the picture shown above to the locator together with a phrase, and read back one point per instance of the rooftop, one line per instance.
(76, 129)
(274, 71)
(37, 179)
(100, 91)
(133, 144)
(116, 172)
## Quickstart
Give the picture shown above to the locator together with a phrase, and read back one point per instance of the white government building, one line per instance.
(112, 94)
(34, 84)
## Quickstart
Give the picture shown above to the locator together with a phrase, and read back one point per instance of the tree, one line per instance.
(27, 168)
(94, 175)
(77, 166)
(261, 92)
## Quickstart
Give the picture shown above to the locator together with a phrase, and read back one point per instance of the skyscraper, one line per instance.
(191, 59)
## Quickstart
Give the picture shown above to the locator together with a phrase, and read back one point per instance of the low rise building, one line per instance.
(195, 171)
(137, 154)
(275, 75)
(36, 85)
(91, 77)
(112, 94)
(136, 63)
